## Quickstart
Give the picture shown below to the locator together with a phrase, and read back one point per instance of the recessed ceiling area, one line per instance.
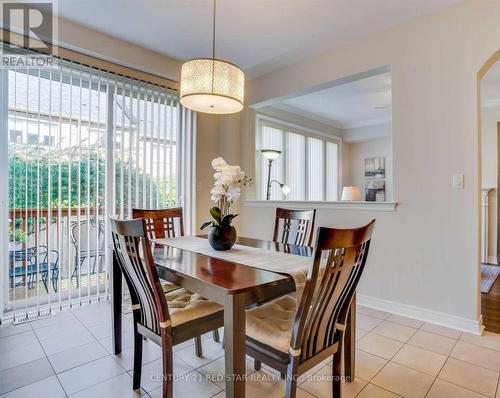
(357, 103)
(259, 36)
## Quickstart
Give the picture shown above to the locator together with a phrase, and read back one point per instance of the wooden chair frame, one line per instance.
(319, 325)
(305, 219)
(161, 224)
(152, 319)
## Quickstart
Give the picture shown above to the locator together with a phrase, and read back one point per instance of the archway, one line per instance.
(488, 111)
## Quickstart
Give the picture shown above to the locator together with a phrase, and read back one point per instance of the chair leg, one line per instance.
(74, 274)
(215, 335)
(257, 365)
(291, 378)
(197, 347)
(55, 276)
(136, 380)
(168, 380)
(337, 372)
(44, 281)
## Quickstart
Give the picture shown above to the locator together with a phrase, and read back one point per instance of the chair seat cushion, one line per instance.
(184, 306)
(168, 287)
(272, 323)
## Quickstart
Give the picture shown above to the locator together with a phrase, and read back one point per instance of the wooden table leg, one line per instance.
(234, 340)
(116, 305)
(350, 343)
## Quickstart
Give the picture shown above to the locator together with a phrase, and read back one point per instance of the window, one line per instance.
(15, 136)
(83, 145)
(308, 163)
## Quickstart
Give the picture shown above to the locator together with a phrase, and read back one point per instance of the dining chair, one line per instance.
(293, 337)
(162, 223)
(167, 319)
(294, 226)
(168, 223)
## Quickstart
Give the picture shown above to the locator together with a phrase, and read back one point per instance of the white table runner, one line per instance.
(284, 263)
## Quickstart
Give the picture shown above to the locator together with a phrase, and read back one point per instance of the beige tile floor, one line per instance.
(70, 355)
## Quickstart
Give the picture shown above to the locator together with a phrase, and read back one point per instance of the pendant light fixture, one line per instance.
(212, 85)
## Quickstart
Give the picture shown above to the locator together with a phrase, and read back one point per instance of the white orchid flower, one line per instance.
(219, 163)
(227, 183)
(233, 194)
(218, 190)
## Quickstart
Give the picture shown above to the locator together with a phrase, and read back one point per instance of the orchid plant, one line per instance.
(226, 191)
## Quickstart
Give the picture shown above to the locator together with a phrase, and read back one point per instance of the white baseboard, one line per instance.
(423, 314)
(492, 260)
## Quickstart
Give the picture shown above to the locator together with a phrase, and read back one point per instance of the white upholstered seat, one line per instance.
(168, 287)
(184, 306)
(272, 323)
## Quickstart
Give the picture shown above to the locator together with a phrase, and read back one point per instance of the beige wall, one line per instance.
(216, 136)
(300, 121)
(490, 117)
(91, 42)
(425, 255)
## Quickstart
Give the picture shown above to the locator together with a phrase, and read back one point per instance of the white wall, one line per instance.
(425, 255)
(354, 155)
(490, 117)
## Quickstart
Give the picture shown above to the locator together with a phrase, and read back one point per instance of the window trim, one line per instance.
(264, 120)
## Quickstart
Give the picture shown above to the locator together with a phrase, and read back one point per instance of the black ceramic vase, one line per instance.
(222, 238)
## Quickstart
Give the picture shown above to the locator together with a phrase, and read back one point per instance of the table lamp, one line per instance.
(351, 193)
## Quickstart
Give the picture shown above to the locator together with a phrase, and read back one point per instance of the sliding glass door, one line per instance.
(83, 144)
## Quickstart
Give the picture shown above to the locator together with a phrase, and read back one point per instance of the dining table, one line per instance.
(232, 284)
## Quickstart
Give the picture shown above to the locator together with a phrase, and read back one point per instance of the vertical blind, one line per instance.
(308, 164)
(83, 144)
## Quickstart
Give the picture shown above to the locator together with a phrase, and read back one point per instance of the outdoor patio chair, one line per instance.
(27, 264)
(88, 243)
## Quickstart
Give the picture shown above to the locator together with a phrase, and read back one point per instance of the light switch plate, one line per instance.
(458, 181)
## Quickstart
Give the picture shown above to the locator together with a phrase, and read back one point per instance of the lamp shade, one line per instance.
(351, 193)
(270, 154)
(212, 86)
(285, 189)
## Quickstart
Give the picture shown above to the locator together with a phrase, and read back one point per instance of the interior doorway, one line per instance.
(490, 203)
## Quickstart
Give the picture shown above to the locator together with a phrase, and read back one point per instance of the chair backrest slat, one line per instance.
(294, 226)
(162, 223)
(339, 260)
(132, 250)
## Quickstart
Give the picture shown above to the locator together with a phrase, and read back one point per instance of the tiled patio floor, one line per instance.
(70, 355)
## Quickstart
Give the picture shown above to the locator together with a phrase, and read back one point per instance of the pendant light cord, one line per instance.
(213, 50)
(213, 33)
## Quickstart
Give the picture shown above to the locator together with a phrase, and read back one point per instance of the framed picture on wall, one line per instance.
(375, 167)
(375, 190)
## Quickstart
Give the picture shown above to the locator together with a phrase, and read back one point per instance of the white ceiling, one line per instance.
(358, 103)
(258, 35)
